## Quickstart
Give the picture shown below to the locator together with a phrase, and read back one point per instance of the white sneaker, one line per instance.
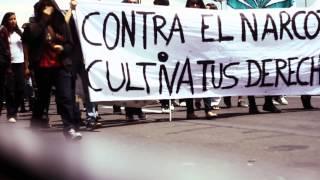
(73, 134)
(175, 103)
(12, 120)
(274, 102)
(183, 104)
(165, 110)
(172, 107)
(282, 100)
(215, 101)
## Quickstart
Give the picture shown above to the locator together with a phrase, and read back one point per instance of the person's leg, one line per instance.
(10, 97)
(165, 107)
(76, 106)
(215, 101)
(19, 85)
(189, 104)
(207, 104)
(2, 86)
(227, 101)
(91, 119)
(116, 109)
(43, 90)
(141, 115)
(23, 108)
(190, 109)
(207, 108)
(182, 102)
(29, 93)
(252, 105)
(306, 102)
(22, 105)
(242, 102)
(65, 101)
(129, 113)
(197, 103)
(280, 100)
(269, 106)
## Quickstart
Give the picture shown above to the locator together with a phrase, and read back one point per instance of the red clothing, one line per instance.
(49, 59)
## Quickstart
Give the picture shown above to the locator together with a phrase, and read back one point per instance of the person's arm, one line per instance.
(26, 61)
(67, 16)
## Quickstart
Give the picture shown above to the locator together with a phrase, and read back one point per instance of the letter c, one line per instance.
(88, 69)
(294, 26)
(83, 31)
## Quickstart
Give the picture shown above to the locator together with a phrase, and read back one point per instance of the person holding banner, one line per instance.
(131, 111)
(50, 44)
(15, 71)
(207, 101)
(165, 107)
(236, 4)
(78, 70)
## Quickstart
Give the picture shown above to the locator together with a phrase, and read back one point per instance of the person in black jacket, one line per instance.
(207, 101)
(79, 70)
(50, 44)
(4, 61)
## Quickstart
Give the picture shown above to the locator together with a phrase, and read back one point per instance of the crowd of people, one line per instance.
(45, 58)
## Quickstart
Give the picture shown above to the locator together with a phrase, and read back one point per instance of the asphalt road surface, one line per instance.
(233, 146)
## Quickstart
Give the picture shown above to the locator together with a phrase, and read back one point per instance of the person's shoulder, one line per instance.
(3, 31)
(3, 28)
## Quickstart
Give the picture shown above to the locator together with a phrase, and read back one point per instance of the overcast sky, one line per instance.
(24, 8)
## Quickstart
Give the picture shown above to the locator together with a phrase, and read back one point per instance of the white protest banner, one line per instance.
(136, 52)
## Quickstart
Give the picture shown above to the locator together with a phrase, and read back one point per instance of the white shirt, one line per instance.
(16, 48)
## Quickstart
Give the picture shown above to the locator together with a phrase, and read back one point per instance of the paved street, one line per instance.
(235, 145)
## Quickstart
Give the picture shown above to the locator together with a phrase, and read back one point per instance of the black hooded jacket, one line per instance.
(35, 34)
(4, 47)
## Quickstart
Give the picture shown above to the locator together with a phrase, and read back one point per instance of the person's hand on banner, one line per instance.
(73, 4)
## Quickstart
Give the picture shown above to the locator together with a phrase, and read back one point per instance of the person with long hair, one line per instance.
(50, 44)
(14, 77)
